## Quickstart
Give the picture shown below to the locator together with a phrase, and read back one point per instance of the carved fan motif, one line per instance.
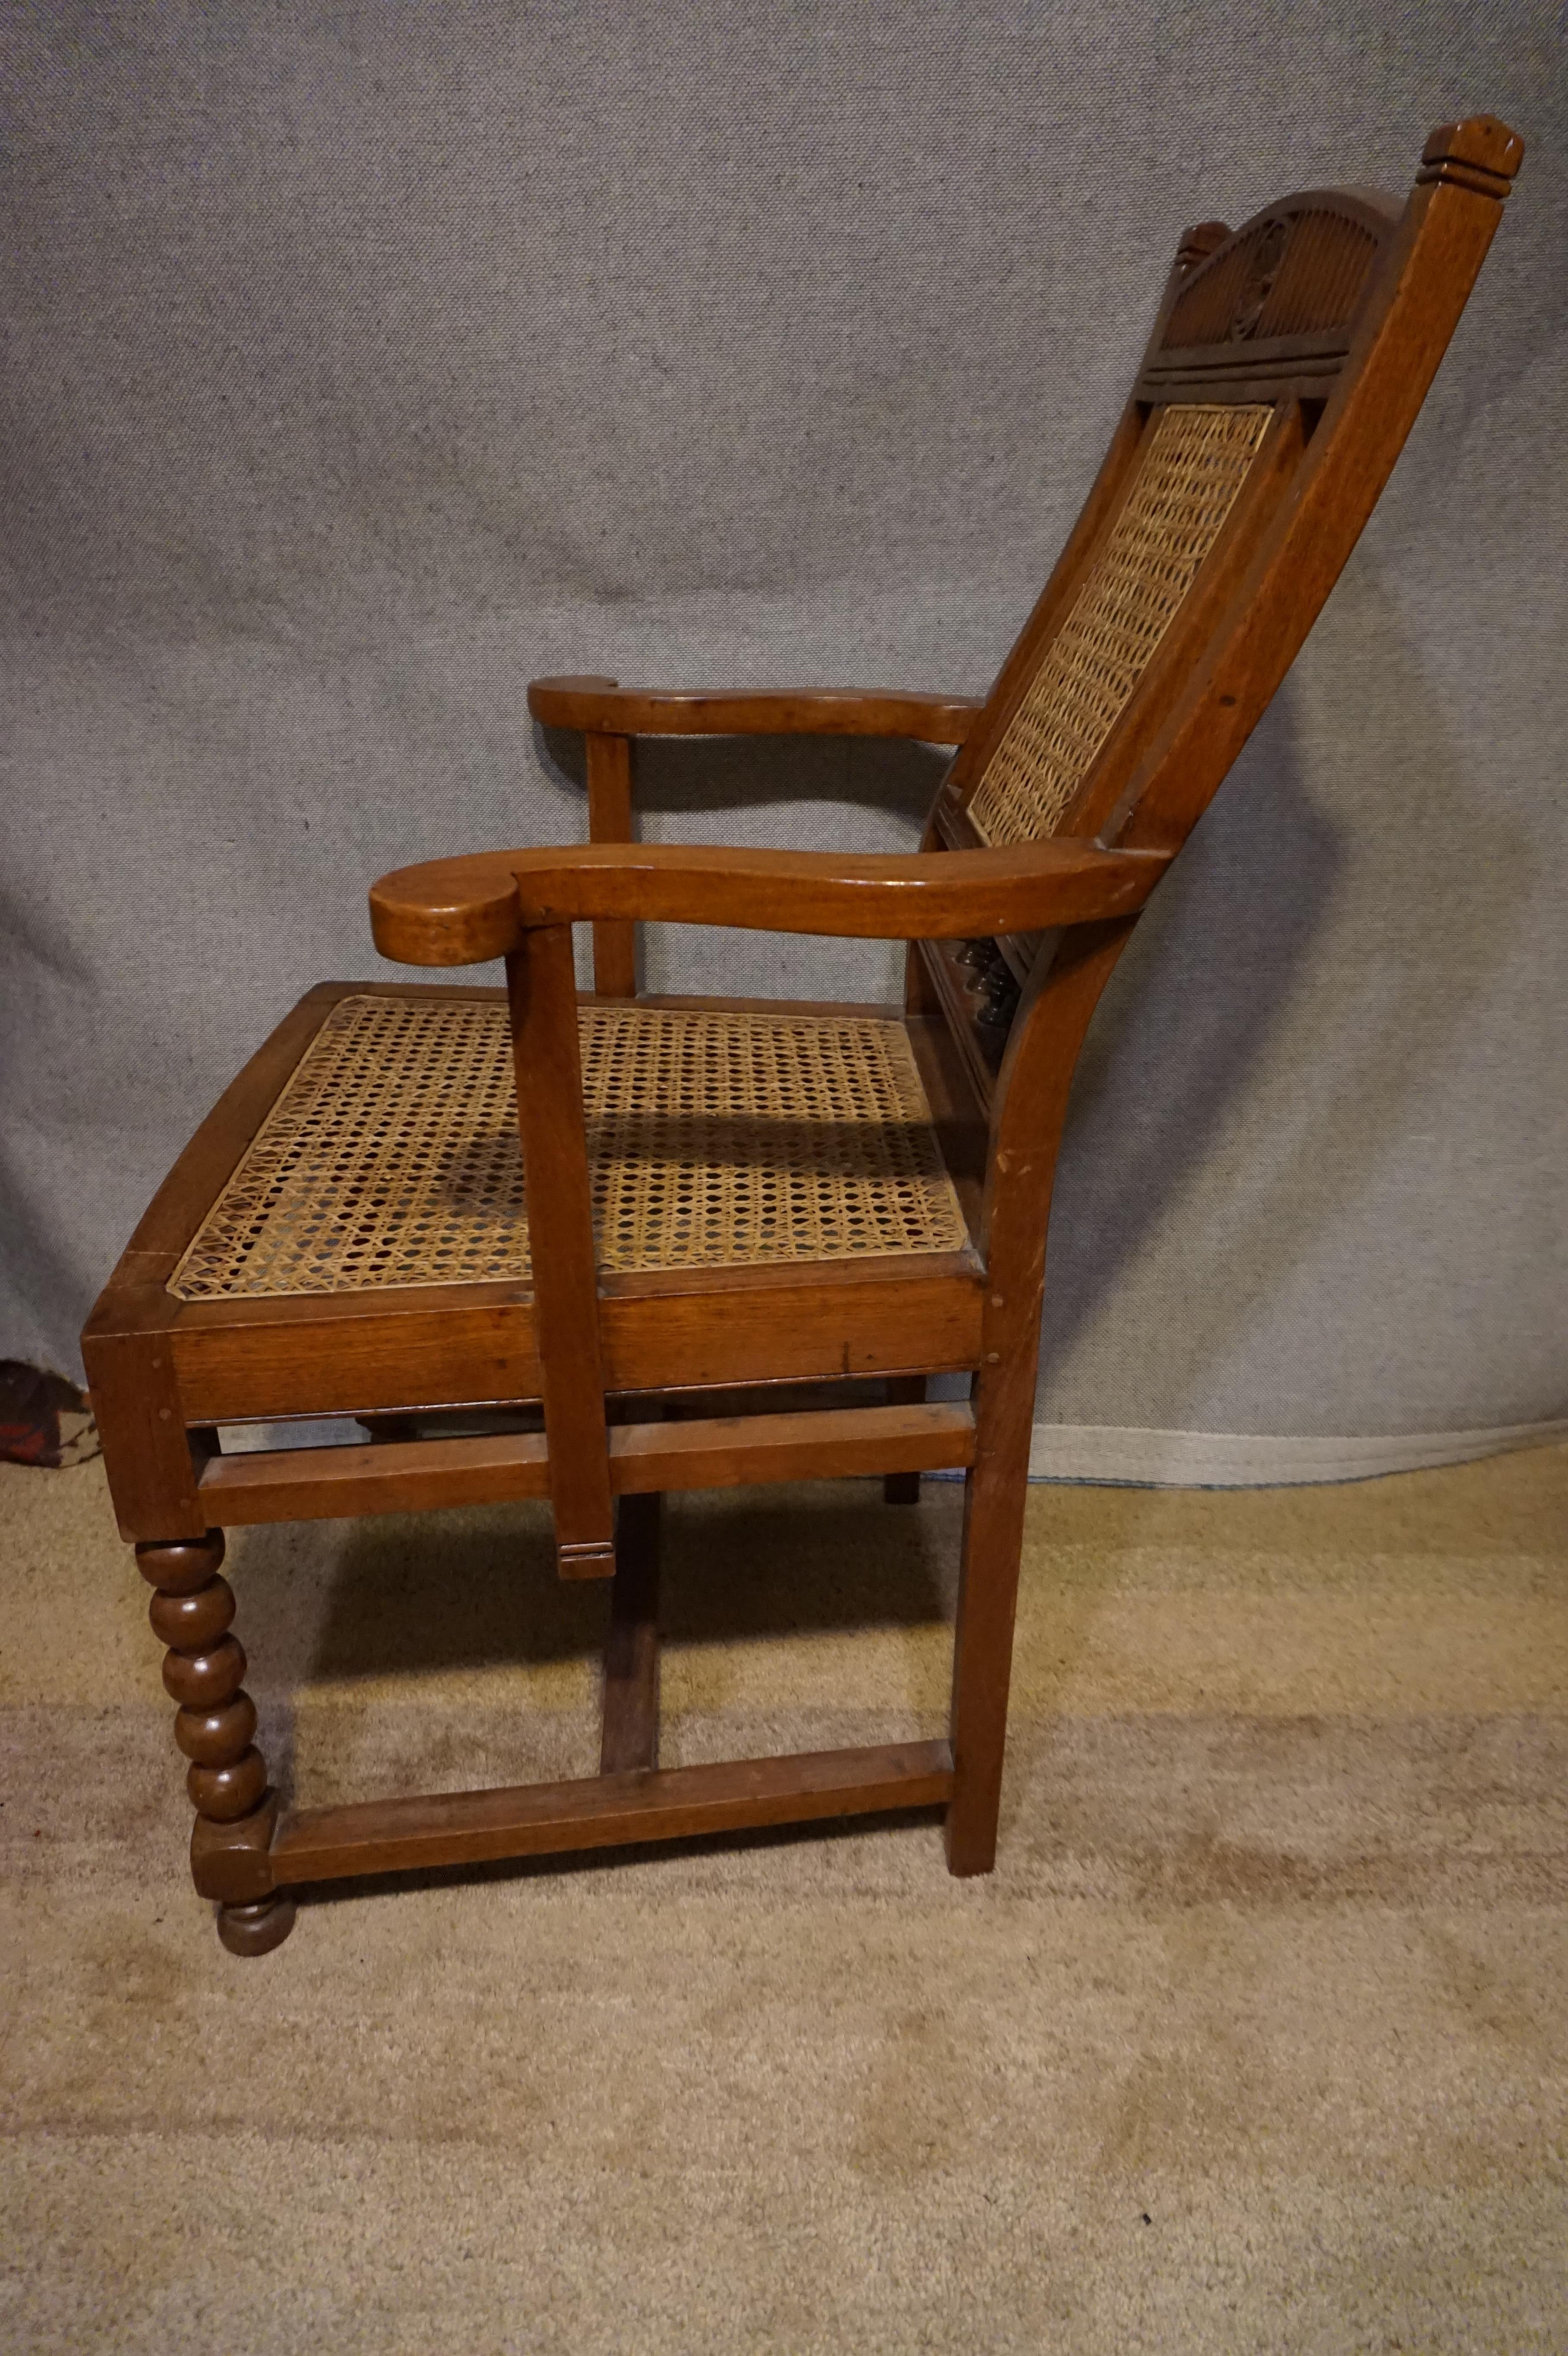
(1299, 272)
(1263, 269)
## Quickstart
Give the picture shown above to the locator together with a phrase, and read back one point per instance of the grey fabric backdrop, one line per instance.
(367, 360)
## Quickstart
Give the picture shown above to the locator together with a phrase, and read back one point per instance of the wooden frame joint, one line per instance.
(233, 1862)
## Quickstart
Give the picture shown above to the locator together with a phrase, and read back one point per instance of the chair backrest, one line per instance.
(1287, 362)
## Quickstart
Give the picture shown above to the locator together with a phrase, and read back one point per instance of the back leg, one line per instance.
(994, 1490)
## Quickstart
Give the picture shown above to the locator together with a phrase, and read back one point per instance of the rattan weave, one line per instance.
(1192, 463)
(716, 1139)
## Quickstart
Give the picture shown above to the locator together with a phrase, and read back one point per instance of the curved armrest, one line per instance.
(463, 911)
(599, 705)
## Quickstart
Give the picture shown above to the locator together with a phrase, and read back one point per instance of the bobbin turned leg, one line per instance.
(226, 1779)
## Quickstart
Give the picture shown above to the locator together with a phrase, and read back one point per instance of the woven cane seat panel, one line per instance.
(716, 1140)
(1188, 472)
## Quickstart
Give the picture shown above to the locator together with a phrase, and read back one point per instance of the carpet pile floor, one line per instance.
(1256, 2039)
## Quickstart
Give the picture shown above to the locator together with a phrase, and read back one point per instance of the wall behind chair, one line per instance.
(367, 361)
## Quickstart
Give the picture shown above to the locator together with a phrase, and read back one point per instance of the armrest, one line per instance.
(600, 706)
(463, 911)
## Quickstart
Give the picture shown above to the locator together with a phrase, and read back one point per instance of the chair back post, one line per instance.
(1287, 361)
(541, 986)
(1424, 277)
(1316, 474)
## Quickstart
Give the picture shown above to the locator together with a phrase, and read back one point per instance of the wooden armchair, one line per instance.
(752, 1230)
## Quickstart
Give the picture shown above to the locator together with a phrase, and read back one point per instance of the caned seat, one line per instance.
(716, 1137)
(595, 1248)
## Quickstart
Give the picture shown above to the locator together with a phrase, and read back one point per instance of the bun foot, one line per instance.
(256, 1930)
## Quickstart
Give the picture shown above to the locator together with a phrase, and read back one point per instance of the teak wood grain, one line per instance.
(407, 1476)
(600, 705)
(466, 911)
(601, 1811)
(629, 1736)
(406, 1351)
(542, 986)
(609, 764)
(665, 1380)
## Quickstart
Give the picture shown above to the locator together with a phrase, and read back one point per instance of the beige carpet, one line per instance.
(1257, 2039)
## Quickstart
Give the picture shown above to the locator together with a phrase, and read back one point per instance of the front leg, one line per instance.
(227, 1780)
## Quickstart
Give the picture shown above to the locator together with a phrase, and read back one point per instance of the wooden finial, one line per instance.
(1196, 243)
(1480, 153)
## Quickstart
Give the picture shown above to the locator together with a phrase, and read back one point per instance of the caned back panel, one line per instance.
(1191, 464)
(1265, 316)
